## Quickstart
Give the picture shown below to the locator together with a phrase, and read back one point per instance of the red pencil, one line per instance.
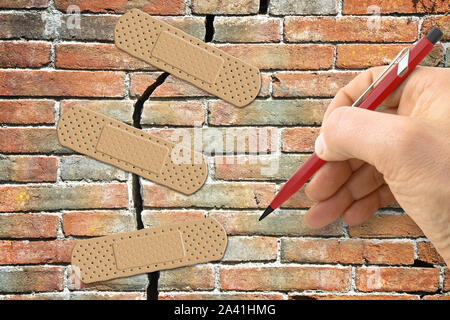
(368, 100)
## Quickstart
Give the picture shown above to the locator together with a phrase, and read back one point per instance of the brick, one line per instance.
(96, 56)
(97, 223)
(35, 296)
(281, 223)
(442, 22)
(246, 29)
(283, 56)
(222, 140)
(285, 278)
(309, 84)
(353, 297)
(175, 113)
(437, 297)
(268, 112)
(134, 283)
(187, 278)
(299, 139)
(302, 7)
(349, 29)
(242, 249)
(217, 195)
(357, 56)
(299, 200)
(25, 198)
(107, 296)
(152, 218)
(23, 4)
(346, 251)
(428, 254)
(121, 110)
(62, 83)
(386, 6)
(29, 225)
(22, 26)
(397, 279)
(225, 6)
(27, 112)
(387, 226)
(77, 168)
(24, 54)
(279, 167)
(33, 252)
(176, 88)
(120, 6)
(30, 140)
(389, 252)
(219, 296)
(321, 251)
(31, 279)
(28, 169)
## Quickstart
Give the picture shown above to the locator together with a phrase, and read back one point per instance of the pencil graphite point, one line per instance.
(268, 211)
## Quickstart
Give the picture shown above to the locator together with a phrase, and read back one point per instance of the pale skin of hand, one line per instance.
(399, 153)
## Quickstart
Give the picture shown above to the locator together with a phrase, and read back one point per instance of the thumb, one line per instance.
(370, 136)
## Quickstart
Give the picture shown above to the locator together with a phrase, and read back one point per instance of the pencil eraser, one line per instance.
(434, 35)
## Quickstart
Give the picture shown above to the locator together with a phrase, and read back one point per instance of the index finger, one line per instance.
(347, 95)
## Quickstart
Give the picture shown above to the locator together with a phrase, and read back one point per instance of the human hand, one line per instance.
(400, 153)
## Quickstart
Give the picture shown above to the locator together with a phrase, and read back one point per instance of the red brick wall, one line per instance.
(306, 51)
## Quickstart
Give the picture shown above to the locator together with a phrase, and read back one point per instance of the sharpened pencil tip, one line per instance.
(268, 211)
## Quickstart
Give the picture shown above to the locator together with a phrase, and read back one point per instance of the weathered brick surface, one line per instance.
(120, 6)
(30, 140)
(96, 223)
(24, 54)
(23, 4)
(51, 196)
(386, 6)
(282, 223)
(225, 6)
(250, 249)
(77, 168)
(251, 29)
(28, 169)
(268, 112)
(34, 252)
(25, 198)
(284, 278)
(303, 7)
(283, 56)
(309, 84)
(28, 225)
(356, 56)
(218, 195)
(61, 83)
(199, 277)
(349, 29)
(27, 112)
(397, 279)
(387, 226)
(31, 279)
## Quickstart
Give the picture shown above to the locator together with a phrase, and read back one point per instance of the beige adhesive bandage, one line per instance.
(131, 149)
(157, 248)
(187, 58)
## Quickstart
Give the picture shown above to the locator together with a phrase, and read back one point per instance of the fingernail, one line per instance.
(319, 145)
